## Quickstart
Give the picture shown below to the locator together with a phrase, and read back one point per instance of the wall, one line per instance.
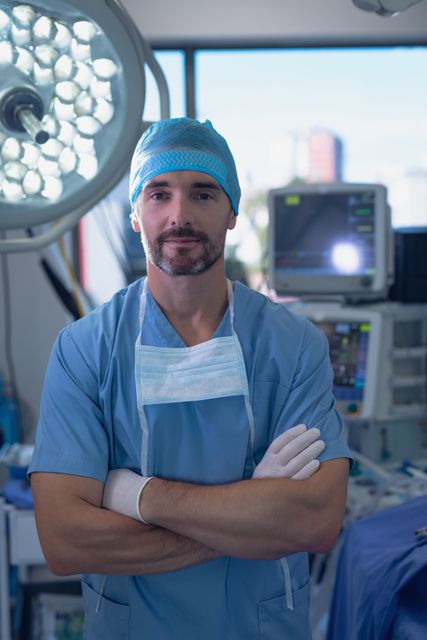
(37, 317)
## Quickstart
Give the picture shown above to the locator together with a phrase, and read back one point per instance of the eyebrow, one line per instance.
(156, 184)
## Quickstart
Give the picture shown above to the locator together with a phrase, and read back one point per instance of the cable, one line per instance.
(72, 276)
(66, 297)
(56, 260)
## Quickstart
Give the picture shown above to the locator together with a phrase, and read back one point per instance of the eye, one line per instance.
(158, 195)
(203, 196)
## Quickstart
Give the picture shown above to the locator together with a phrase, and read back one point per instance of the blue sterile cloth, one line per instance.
(381, 585)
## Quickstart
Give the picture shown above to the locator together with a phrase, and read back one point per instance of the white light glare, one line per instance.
(84, 31)
(25, 61)
(104, 111)
(42, 75)
(19, 36)
(64, 68)
(31, 155)
(67, 133)
(88, 125)
(346, 258)
(63, 111)
(83, 76)
(43, 29)
(11, 149)
(52, 149)
(24, 15)
(104, 68)
(63, 36)
(32, 183)
(52, 188)
(4, 21)
(6, 53)
(88, 166)
(12, 190)
(84, 104)
(50, 125)
(100, 89)
(46, 55)
(48, 167)
(80, 51)
(67, 91)
(15, 170)
(83, 145)
(67, 161)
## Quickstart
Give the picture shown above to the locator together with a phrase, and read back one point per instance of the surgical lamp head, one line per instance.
(72, 99)
(181, 144)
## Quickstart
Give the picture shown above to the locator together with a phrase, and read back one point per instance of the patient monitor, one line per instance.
(330, 248)
(330, 240)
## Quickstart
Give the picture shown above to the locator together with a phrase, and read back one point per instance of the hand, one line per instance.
(292, 455)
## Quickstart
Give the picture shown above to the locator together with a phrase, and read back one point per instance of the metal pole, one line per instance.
(4, 574)
(32, 125)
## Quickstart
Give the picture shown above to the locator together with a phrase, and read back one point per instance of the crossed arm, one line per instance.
(256, 519)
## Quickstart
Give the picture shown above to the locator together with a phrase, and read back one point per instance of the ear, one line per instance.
(135, 222)
(232, 219)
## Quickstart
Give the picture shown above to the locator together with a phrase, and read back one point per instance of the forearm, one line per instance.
(116, 545)
(84, 538)
(256, 519)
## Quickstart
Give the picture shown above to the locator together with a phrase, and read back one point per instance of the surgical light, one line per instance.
(72, 94)
(385, 8)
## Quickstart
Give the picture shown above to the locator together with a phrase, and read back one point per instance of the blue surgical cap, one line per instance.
(181, 144)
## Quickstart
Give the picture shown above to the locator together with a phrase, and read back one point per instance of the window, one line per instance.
(307, 114)
(357, 114)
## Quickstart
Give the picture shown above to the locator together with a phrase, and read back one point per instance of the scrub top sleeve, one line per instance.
(310, 400)
(71, 437)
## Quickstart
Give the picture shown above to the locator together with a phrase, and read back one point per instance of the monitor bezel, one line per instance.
(348, 287)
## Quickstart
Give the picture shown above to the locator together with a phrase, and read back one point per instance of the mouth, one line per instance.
(178, 240)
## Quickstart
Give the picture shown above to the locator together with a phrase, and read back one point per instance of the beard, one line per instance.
(183, 263)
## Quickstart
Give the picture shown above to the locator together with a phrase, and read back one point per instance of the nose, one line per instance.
(180, 212)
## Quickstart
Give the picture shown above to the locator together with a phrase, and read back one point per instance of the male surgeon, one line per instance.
(189, 454)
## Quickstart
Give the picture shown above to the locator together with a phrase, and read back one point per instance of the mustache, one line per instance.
(181, 232)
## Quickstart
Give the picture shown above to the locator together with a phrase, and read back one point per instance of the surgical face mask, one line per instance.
(212, 369)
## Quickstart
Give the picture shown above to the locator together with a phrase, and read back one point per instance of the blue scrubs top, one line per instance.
(89, 424)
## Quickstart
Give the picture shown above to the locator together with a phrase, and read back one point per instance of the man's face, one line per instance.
(183, 218)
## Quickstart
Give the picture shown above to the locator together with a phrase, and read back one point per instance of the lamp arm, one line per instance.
(147, 57)
(57, 229)
(160, 79)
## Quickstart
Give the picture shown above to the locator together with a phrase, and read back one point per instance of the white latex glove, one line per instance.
(292, 455)
(122, 491)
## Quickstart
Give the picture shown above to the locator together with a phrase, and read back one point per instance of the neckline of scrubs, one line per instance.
(164, 331)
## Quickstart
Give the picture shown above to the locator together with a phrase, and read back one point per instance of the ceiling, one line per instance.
(273, 22)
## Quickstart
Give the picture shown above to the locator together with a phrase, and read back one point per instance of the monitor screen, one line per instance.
(348, 350)
(330, 239)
